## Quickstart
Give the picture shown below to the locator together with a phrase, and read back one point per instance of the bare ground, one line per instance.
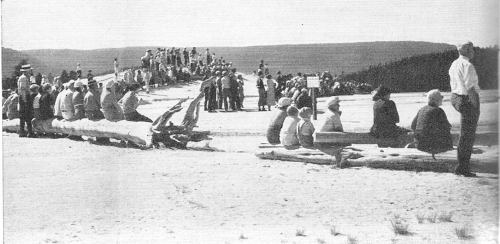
(63, 191)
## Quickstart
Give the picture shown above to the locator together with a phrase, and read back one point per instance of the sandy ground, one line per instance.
(63, 191)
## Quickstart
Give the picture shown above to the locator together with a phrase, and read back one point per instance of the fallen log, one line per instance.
(407, 159)
(138, 132)
(482, 138)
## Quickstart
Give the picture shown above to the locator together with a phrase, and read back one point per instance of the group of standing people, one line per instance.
(225, 90)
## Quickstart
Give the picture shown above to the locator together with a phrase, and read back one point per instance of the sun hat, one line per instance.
(284, 102)
(332, 101)
(78, 83)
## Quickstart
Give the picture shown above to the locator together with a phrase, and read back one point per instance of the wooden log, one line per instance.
(483, 138)
(407, 159)
(137, 132)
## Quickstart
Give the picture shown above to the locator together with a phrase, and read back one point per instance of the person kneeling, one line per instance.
(431, 126)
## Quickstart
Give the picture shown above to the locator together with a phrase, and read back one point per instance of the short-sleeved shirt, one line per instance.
(463, 76)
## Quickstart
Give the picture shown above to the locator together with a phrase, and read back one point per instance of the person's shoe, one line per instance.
(22, 135)
(32, 135)
(466, 174)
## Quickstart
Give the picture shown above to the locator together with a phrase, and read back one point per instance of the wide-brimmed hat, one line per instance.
(78, 83)
(284, 102)
(25, 67)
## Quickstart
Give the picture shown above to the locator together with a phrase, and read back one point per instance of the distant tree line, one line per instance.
(428, 71)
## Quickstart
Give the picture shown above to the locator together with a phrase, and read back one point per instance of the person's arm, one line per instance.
(414, 123)
(393, 112)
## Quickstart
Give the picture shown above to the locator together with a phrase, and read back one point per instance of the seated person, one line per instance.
(10, 106)
(288, 133)
(129, 104)
(332, 123)
(431, 126)
(305, 128)
(274, 128)
(303, 100)
(110, 108)
(385, 115)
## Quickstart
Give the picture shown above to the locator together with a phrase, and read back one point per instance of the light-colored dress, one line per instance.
(288, 133)
(271, 91)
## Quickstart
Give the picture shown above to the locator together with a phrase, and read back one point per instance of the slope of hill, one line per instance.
(338, 57)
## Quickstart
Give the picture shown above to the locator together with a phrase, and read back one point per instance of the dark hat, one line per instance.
(381, 92)
(91, 82)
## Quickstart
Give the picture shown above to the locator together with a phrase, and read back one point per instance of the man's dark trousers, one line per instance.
(469, 116)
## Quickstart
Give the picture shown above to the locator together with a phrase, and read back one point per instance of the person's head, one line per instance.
(304, 91)
(299, 74)
(71, 85)
(382, 92)
(305, 112)
(260, 74)
(109, 85)
(78, 85)
(434, 98)
(278, 73)
(292, 111)
(92, 84)
(116, 59)
(269, 76)
(466, 49)
(224, 73)
(218, 73)
(333, 104)
(34, 89)
(240, 77)
(284, 102)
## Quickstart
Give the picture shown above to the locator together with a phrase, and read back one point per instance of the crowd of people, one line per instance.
(291, 126)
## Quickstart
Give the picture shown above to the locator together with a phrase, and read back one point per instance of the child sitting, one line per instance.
(288, 133)
(305, 128)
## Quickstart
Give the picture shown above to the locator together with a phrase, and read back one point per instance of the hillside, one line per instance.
(428, 71)
(338, 57)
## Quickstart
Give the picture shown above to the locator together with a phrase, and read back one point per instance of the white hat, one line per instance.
(110, 84)
(71, 83)
(332, 101)
(78, 83)
(284, 102)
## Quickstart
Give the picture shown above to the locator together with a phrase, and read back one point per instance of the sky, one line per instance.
(93, 24)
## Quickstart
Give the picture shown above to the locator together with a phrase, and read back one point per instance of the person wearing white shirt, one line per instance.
(464, 98)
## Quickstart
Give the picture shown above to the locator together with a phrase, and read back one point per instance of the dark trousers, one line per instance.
(469, 116)
(226, 93)
(219, 97)
(25, 119)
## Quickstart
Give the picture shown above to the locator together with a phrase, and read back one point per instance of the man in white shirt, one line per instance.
(465, 99)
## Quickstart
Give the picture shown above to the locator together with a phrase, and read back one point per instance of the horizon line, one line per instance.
(243, 46)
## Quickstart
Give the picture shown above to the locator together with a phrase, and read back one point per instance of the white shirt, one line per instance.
(331, 123)
(463, 76)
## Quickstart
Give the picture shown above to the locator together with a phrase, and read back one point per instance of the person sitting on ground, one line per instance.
(274, 128)
(10, 106)
(129, 104)
(305, 128)
(59, 100)
(78, 101)
(110, 107)
(303, 100)
(385, 115)
(431, 126)
(288, 133)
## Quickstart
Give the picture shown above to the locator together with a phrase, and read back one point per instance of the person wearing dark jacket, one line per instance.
(262, 92)
(431, 126)
(274, 128)
(385, 115)
(26, 112)
(303, 100)
(46, 111)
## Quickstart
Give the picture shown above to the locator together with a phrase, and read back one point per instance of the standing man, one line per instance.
(117, 68)
(78, 70)
(185, 53)
(209, 57)
(464, 98)
(23, 84)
